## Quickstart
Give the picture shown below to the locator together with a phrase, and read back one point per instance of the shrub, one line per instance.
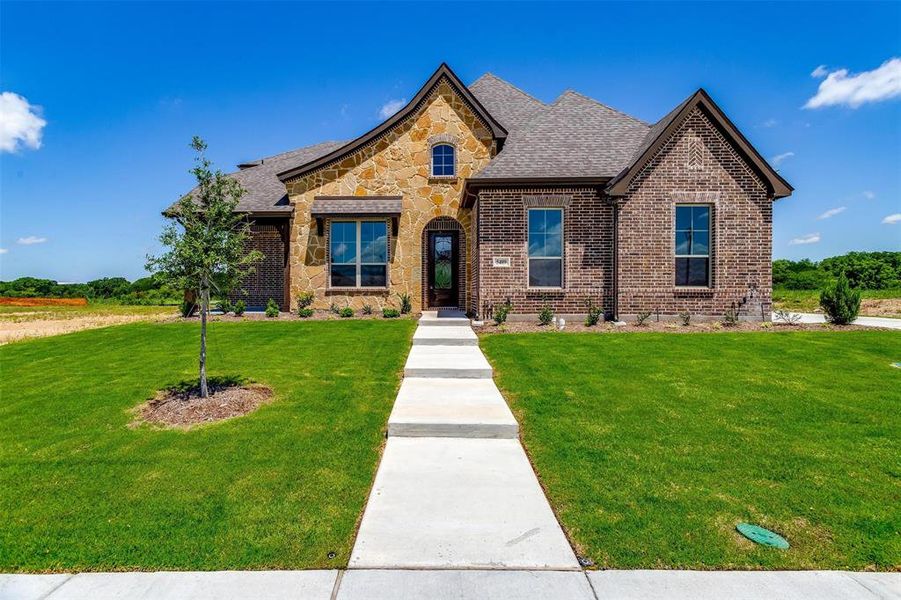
(730, 317)
(546, 315)
(225, 306)
(367, 309)
(840, 303)
(304, 300)
(346, 312)
(187, 308)
(304, 313)
(390, 313)
(685, 317)
(272, 309)
(239, 308)
(594, 314)
(641, 317)
(501, 311)
(406, 303)
(787, 317)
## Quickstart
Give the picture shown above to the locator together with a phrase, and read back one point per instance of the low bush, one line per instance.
(239, 308)
(406, 303)
(390, 313)
(501, 311)
(304, 313)
(334, 308)
(730, 317)
(594, 314)
(367, 309)
(545, 315)
(840, 302)
(304, 300)
(225, 306)
(272, 309)
(346, 312)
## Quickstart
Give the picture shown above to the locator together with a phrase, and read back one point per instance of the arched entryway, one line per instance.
(443, 264)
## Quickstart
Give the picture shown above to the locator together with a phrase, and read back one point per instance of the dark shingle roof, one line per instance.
(506, 102)
(573, 137)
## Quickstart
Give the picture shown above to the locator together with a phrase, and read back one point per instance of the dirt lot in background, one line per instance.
(19, 323)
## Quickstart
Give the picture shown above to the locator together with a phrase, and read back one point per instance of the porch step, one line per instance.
(447, 407)
(456, 362)
(444, 317)
(445, 336)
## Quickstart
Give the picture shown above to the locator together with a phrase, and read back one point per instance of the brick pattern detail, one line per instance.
(268, 279)
(445, 224)
(502, 231)
(741, 228)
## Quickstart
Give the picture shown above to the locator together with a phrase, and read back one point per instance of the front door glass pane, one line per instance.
(443, 260)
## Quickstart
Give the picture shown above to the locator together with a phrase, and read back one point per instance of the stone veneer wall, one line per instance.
(398, 163)
(697, 165)
(587, 250)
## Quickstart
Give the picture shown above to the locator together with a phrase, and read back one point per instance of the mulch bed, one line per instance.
(661, 327)
(319, 315)
(183, 407)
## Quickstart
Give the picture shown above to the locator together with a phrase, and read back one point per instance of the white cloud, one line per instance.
(838, 89)
(770, 123)
(819, 72)
(20, 123)
(810, 238)
(3, 250)
(391, 106)
(892, 219)
(832, 212)
(869, 195)
(779, 158)
(31, 239)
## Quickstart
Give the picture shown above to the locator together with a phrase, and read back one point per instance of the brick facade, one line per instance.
(268, 279)
(696, 165)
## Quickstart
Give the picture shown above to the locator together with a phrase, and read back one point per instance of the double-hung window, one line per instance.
(545, 247)
(358, 254)
(693, 245)
(443, 160)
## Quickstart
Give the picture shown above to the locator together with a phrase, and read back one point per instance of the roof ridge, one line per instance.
(572, 92)
(490, 75)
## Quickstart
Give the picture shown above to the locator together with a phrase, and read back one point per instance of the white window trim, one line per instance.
(359, 258)
(432, 173)
(560, 258)
(708, 256)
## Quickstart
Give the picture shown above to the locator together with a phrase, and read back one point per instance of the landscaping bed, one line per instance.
(652, 448)
(279, 488)
(651, 326)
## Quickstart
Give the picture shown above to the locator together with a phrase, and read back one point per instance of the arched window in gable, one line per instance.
(443, 160)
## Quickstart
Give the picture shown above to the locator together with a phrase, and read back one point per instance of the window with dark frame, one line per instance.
(545, 247)
(358, 254)
(693, 245)
(443, 160)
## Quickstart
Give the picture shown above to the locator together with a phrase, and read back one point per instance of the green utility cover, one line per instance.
(762, 536)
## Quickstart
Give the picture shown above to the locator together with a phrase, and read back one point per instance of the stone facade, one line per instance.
(587, 250)
(696, 165)
(396, 164)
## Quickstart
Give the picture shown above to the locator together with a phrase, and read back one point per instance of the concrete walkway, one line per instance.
(455, 489)
(864, 321)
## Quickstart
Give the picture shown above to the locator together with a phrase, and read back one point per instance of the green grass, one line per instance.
(652, 447)
(809, 301)
(279, 488)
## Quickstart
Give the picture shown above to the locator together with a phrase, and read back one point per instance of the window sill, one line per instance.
(443, 179)
(693, 290)
(357, 290)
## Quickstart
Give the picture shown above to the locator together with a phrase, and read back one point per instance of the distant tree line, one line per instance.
(864, 270)
(147, 290)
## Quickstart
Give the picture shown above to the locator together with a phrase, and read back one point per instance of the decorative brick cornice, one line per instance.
(682, 196)
(444, 138)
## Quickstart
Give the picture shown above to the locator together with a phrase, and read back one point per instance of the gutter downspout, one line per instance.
(616, 260)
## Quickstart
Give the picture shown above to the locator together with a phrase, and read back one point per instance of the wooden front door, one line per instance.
(443, 275)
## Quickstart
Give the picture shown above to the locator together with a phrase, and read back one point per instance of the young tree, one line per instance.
(840, 303)
(205, 242)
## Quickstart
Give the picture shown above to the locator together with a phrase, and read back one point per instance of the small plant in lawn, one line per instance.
(546, 314)
(346, 312)
(594, 314)
(501, 311)
(788, 317)
(730, 317)
(367, 309)
(840, 302)
(239, 308)
(304, 300)
(272, 309)
(304, 313)
(406, 303)
(641, 317)
(334, 308)
(685, 318)
(390, 313)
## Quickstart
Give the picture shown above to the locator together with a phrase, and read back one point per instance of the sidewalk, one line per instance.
(456, 584)
(864, 321)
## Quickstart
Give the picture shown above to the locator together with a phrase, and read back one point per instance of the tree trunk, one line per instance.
(204, 308)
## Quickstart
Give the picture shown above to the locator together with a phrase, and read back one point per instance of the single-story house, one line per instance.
(470, 196)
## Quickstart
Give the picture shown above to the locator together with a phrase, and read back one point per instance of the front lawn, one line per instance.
(652, 447)
(279, 488)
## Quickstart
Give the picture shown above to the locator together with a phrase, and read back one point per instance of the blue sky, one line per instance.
(123, 87)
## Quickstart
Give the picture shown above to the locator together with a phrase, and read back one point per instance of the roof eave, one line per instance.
(473, 184)
(497, 130)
